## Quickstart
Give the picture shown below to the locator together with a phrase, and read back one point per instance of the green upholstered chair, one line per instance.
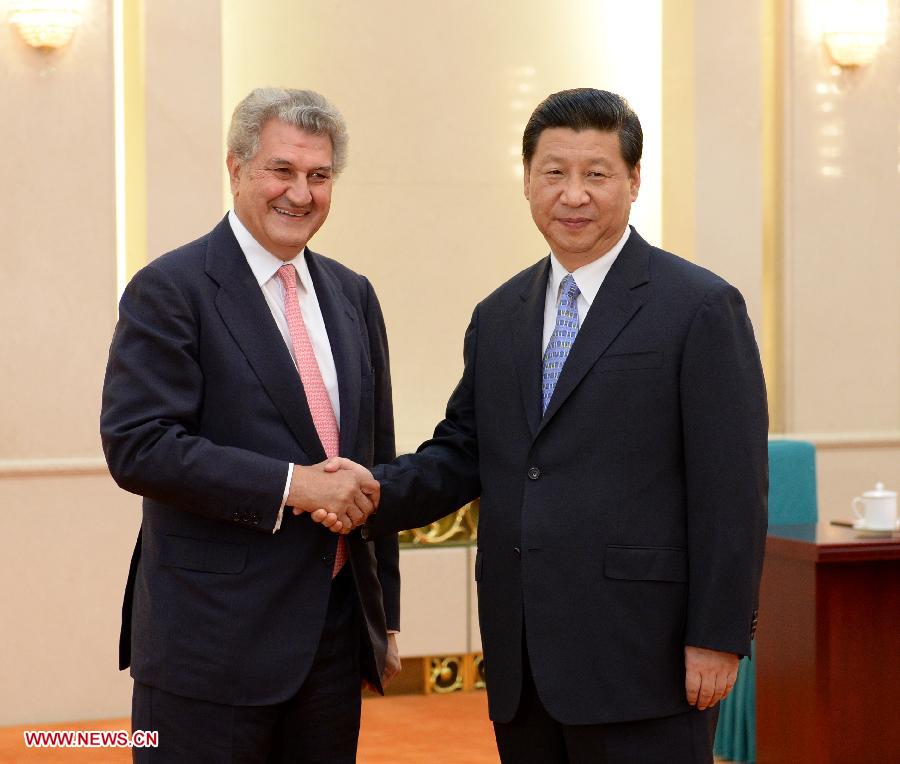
(792, 499)
(792, 482)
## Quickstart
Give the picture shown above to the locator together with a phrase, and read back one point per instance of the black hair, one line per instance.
(586, 109)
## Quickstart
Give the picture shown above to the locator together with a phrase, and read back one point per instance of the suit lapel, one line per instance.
(342, 326)
(246, 314)
(527, 328)
(613, 307)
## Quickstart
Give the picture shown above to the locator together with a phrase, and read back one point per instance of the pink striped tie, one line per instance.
(316, 395)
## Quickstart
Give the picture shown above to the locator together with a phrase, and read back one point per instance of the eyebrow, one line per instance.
(553, 159)
(289, 163)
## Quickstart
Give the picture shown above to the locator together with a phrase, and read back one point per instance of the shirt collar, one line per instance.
(262, 262)
(589, 278)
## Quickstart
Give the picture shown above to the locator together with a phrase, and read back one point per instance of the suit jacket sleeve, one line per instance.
(724, 424)
(442, 476)
(387, 547)
(152, 404)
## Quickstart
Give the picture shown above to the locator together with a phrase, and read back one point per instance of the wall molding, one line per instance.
(96, 465)
(836, 441)
(60, 467)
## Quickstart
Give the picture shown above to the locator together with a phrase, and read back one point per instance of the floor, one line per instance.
(404, 729)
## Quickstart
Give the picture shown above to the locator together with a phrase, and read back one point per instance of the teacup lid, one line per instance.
(879, 492)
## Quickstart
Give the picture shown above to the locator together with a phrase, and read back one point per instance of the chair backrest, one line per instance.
(792, 482)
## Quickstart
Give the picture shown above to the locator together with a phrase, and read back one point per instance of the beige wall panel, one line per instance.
(842, 272)
(67, 542)
(728, 146)
(846, 472)
(436, 96)
(434, 602)
(185, 152)
(57, 267)
(678, 117)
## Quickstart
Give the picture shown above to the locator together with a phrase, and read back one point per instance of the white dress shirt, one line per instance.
(265, 267)
(588, 277)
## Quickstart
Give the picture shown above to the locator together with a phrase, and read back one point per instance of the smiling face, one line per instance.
(580, 190)
(283, 193)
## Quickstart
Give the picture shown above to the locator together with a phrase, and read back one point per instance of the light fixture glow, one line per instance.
(45, 23)
(854, 30)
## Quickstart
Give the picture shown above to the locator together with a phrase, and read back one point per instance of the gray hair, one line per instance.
(304, 109)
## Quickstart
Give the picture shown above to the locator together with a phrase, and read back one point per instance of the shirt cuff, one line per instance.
(393, 631)
(287, 490)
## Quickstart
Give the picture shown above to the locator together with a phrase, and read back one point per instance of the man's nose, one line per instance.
(575, 192)
(298, 192)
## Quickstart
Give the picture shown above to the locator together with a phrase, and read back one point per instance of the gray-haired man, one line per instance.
(241, 362)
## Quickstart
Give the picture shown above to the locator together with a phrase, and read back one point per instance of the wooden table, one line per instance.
(828, 647)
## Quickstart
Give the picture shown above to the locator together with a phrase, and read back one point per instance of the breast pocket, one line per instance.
(651, 359)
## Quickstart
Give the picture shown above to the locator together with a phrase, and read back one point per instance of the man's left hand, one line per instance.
(391, 661)
(709, 675)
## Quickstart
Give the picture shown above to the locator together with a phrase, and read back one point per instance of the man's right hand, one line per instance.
(339, 500)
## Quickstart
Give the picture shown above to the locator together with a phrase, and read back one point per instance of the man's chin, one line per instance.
(287, 240)
(576, 247)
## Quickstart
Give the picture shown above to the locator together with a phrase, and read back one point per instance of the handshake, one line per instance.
(338, 493)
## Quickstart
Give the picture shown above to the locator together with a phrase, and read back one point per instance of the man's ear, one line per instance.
(635, 177)
(234, 172)
(527, 177)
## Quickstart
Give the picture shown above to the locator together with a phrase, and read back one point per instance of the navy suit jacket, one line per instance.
(629, 519)
(203, 409)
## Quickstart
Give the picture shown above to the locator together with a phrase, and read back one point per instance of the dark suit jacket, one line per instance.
(627, 521)
(203, 409)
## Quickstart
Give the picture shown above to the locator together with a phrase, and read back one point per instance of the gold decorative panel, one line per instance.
(477, 672)
(454, 673)
(461, 527)
(443, 675)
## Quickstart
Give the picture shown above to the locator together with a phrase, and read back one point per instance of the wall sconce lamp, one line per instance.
(45, 23)
(854, 30)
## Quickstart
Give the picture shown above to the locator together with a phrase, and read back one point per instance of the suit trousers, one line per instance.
(533, 736)
(320, 723)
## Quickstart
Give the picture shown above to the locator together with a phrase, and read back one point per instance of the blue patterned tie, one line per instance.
(562, 338)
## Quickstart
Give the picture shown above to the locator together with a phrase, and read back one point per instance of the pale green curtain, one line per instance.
(736, 733)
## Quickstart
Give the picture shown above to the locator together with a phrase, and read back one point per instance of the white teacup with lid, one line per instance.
(879, 509)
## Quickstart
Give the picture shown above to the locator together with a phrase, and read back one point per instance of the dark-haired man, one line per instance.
(612, 417)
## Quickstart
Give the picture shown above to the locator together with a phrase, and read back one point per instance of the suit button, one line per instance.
(534, 473)
(517, 551)
(328, 559)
